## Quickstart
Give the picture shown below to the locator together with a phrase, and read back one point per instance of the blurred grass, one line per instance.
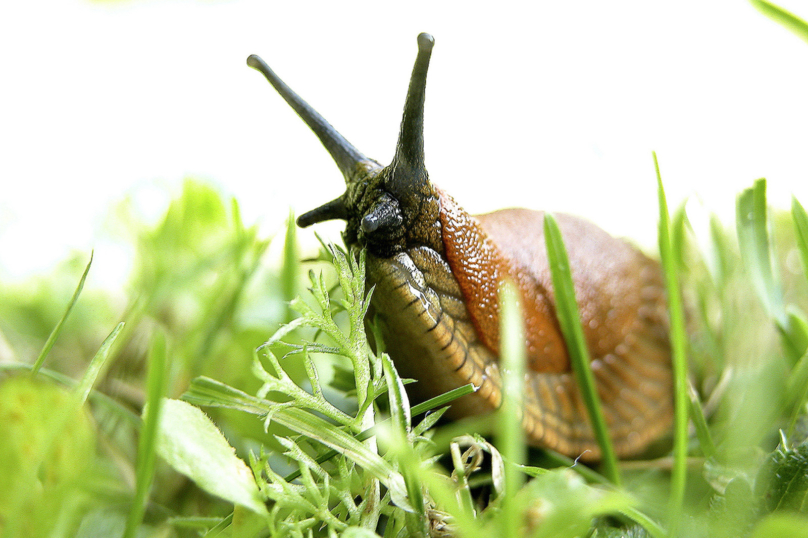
(324, 422)
(203, 279)
(784, 17)
(200, 277)
(678, 341)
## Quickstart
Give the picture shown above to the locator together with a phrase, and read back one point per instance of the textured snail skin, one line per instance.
(439, 319)
(436, 272)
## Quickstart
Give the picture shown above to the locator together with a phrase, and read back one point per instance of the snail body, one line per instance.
(436, 271)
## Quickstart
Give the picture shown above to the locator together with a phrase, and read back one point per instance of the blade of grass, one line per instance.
(510, 440)
(702, 430)
(401, 448)
(652, 527)
(721, 263)
(146, 453)
(785, 18)
(756, 253)
(753, 241)
(220, 527)
(678, 357)
(797, 391)
(801, 229)
(58, 329)
(290, 266)
(570, 320)
(96, 364)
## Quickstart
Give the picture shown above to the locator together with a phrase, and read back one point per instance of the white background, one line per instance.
(548, 105)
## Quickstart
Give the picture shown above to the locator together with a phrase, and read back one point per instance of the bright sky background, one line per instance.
(548, 105)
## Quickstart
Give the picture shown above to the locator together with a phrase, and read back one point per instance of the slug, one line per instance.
(436, 271)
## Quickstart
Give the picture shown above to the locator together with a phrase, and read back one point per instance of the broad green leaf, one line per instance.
(782, 482)
(47, 446)
(733, 511)
(189, 441)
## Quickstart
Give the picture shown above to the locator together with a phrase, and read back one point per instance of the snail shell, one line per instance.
(436, 271)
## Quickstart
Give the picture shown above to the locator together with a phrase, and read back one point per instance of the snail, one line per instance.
(436, 271)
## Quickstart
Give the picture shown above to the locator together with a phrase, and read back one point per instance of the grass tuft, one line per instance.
(312, 434)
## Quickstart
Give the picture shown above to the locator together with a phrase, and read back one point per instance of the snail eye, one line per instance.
(383, 215)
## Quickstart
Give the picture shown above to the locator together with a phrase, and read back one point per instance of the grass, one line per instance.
(219, 400)
(311, 432)
(570, 321)
(678, 341)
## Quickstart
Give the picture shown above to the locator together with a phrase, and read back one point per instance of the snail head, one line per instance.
(389, 208)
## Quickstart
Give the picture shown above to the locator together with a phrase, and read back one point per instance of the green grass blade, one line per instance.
(785, 18)
(146, 453)
(753, 242)
(290, 267)
(756, 253)
(401, 448)
(722, 263)
(58, 329)
(510, 439)
(220, 527)
(797, 391)
(96, 364)
(702, 430)
(444, 399)
(652, 527)
(801, 229)
(400, 411)
(570, 321)
(678, 357)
